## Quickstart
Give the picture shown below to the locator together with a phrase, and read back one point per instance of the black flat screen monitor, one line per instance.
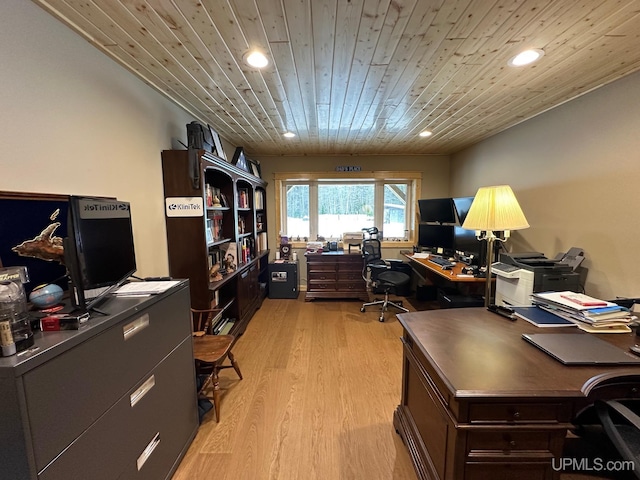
(465, 241)
(438, 210)
(436, 236)
(99, 248)
(462, 205)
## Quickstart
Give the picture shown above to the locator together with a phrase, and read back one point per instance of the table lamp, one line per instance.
(494, 209)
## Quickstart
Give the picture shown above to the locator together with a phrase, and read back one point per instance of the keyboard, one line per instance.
(441, 262)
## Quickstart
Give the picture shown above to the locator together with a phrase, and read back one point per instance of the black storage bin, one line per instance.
(426, 293)
(448, 298)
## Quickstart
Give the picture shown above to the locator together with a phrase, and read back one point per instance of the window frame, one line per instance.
(411, 178)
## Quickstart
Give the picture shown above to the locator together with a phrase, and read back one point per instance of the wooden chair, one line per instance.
(209, 352)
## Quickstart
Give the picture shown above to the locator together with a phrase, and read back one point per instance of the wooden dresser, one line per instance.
(335, 275)
(479, 403)
(114, 399)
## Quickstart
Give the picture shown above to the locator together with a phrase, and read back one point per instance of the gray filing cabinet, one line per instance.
(114, 399)
(284, 281)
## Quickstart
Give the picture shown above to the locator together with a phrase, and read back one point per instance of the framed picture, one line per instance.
(255, 168)
(217, 144)
(239, 160)
(32, 226)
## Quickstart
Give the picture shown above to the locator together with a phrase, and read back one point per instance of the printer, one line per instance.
(518, 275)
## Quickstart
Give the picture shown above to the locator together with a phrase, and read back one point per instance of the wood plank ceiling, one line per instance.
(362, 76)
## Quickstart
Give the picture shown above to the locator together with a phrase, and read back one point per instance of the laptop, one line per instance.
(580, 349)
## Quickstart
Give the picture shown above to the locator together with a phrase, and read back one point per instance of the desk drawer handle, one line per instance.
(516, 415)
(143, 390)
(139, 324)
(512, 443)
(146, 453)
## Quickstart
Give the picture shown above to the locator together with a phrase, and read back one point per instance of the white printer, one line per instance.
(518, 275)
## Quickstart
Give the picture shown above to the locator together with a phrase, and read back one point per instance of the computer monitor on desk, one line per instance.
(468, 248)
(437, 238)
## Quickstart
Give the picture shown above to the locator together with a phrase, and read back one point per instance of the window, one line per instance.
(328, 205)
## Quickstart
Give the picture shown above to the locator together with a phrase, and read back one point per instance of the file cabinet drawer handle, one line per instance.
(146, 453)
(139, 324)
(143, 390)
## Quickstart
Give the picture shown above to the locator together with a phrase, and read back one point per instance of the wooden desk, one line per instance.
(453, 275)
(478, 402)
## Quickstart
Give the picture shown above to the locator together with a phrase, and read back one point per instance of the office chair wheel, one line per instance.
(381, 319)
(362, 309)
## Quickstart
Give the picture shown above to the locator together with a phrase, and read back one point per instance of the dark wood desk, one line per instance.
(478, 402)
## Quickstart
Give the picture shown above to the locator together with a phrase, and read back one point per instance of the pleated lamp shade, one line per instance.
(495, 208)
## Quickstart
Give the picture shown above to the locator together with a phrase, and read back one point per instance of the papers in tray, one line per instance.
(589, 314)
(145, 288)
(572, 300)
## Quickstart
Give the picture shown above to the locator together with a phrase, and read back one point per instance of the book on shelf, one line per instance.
(219, 325)
(229, 254)
(227, 327)
(209, 233)
(262, 241)
(216, 225)
(259, 200)
(243, 198)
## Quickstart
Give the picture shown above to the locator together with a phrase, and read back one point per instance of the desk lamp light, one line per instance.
(494, 209)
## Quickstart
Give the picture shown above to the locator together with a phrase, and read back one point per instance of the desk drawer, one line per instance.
(350, 276)
(509, 442)
(328, 276)
(351, 286)
(317, 285)
(530, 470)
(321, 267)
(516, 413)
(105, 367)
(163, 402)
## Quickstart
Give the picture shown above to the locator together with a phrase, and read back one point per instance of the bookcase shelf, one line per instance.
(192, 243)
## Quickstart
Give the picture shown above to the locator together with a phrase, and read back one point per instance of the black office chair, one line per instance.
(382, 277)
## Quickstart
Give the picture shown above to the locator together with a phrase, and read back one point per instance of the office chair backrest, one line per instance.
(371, 250)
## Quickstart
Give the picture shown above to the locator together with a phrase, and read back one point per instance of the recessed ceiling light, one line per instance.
(256, 59)
(426, 133)
(289, 134)
(526, 57)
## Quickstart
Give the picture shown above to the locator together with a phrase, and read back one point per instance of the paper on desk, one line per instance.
(420, 255)
(145, 288)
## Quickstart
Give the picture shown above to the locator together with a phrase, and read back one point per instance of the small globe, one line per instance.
(45, 296)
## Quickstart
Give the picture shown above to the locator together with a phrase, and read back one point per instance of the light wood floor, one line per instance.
(321, 382)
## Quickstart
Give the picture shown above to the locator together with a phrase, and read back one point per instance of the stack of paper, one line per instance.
(590, 314)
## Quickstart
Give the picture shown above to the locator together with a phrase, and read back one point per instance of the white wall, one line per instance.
(74, 121)
(576, 173)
